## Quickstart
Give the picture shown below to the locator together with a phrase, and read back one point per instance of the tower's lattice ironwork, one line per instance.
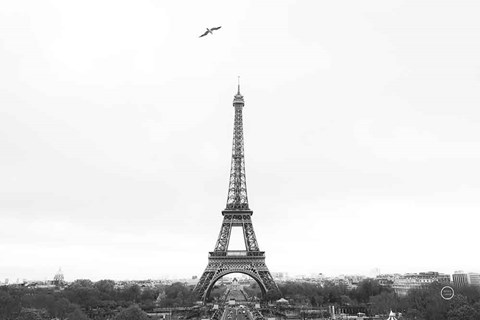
(237, 213)
(237, 189)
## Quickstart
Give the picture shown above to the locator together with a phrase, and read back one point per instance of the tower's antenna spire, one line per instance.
(238, 84)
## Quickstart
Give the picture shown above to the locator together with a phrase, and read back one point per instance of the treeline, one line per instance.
(419, 304)
(332, 294)
(84, 299)
(329, 293)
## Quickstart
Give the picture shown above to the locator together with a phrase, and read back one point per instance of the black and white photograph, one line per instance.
(128, 130)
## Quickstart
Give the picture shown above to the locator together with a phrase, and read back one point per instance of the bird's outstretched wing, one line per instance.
(203, 35)
(216, 28)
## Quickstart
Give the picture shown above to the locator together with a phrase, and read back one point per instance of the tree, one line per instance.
(367, 288)
(83, 293)
(218, 292)
(8, 304)
(132, 293)
(39, 299)
(333, 292)
(305, 293)
(77, 314)
(32, 314)
(426, 303)
(176, 295)
(253, 290)
(273, 295)
(84, 283)
(149, 294)
(131, 313)
(383, 303)
(457, 301)
(148, 298)
(62, 307)
(106, 289)
(464, 312)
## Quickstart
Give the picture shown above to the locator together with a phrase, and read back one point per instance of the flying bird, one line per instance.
(209, 31)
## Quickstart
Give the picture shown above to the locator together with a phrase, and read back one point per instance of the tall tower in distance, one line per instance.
(237, 213)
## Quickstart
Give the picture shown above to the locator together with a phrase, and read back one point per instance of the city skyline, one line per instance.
(285, 275)
(361, 121)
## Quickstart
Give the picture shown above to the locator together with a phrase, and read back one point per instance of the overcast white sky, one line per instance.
(362, 134)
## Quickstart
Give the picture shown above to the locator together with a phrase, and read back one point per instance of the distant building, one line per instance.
(460, 278)
(279, 276)
(402, 285)
(318, 276)
(474, 279)
(444, 278)
(59, 279)
(235, 285)
(387, 280)
(350, 281)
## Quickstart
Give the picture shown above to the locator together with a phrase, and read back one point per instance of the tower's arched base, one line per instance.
(223, 263)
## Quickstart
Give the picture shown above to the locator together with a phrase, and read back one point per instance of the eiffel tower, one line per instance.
(237, 213)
